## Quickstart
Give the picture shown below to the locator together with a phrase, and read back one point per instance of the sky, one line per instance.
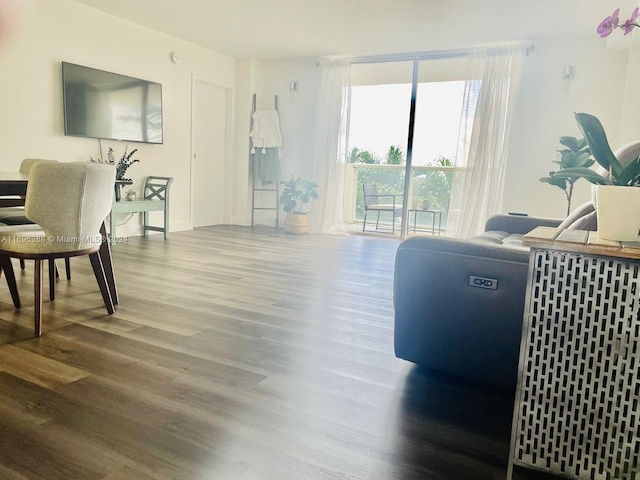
(380, 118)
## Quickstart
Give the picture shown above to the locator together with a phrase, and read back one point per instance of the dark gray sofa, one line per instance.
(459, 302)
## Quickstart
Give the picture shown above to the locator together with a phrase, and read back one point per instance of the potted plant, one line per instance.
(617, 199)
(121, 167)
(576, 154)
(297, 193)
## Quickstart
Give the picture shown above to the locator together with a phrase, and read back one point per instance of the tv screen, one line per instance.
(99, 104)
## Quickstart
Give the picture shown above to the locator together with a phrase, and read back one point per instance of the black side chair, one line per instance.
(372, 203)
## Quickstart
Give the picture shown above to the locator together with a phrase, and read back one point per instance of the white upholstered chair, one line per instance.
(69, 202)
(16, 216)
(12, 206)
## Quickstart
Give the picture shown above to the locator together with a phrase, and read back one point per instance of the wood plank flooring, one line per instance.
(235, 355)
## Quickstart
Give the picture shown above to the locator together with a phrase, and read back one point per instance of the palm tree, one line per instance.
(395, 155)
(355, 155)
(442, 161)
(362, 156)
(370, 158)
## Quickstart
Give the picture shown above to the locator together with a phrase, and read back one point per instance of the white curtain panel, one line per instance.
(478, 185)
(329, 152)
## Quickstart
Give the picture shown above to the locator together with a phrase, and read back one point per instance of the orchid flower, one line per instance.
(609, 24)
(631, 23)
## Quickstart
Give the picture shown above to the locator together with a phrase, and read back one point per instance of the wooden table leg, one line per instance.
(98, 271)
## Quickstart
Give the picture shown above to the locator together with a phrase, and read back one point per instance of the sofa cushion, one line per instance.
(500, 238)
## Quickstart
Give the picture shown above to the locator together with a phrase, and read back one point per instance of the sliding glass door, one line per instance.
(403, 136)
(377, 146)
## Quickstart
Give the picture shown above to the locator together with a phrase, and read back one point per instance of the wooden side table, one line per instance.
(576, 411)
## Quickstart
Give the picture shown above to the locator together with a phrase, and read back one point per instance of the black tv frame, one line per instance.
(110, 81)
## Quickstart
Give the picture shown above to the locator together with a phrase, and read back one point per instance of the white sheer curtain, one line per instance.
(329, 152)
(476, 192)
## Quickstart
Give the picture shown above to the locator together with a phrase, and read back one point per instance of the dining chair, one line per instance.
(372, 202)
(15, 215)
(12, 206)
(69, 202)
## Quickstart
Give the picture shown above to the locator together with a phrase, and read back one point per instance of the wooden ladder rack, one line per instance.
(254, 187)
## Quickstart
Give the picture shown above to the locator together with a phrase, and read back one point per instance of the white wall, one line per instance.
(629, 131)
(297, 117)
(543, 112)
(60, 30)
(250, 82)
(31, 95)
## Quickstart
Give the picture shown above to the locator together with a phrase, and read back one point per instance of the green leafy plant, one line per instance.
(596, 138)
(296, 194)
(123, 164)
(576, 154)
(394, 155)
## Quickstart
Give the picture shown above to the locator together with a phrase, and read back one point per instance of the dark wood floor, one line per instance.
(235, 355)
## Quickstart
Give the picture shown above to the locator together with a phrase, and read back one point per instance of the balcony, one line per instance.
(430, 189)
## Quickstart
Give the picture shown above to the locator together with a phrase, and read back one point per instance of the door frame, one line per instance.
(228, 94)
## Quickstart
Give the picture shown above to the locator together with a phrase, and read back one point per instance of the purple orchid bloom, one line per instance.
(630, 24)
(609, 24)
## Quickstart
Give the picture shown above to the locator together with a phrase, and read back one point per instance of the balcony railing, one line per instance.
(430, 188)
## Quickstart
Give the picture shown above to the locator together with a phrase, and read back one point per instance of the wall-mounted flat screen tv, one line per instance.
(99, 104)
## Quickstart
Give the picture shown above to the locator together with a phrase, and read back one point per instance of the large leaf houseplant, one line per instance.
(617, 195)
(613, 172)
(296, 195)
(575, 154)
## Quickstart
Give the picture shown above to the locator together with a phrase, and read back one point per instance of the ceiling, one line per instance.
(270, 29)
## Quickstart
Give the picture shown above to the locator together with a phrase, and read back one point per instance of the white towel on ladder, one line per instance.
(266, 130)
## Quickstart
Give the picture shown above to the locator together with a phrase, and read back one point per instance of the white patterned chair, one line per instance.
(69, 203)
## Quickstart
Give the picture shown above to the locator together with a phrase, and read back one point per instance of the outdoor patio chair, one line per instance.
(372, 202)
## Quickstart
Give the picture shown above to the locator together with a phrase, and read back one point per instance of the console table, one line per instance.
(576, 412)
(156, 198)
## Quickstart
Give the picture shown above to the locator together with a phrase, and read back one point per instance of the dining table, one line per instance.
(13, 191)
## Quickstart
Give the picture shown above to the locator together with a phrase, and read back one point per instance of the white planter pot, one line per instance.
(618, 213)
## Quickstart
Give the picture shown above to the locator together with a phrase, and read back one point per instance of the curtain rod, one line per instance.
(431, 55)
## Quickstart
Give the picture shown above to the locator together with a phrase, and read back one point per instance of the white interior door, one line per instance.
(209, 152)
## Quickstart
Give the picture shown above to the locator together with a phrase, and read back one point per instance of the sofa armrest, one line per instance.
(518, 223)
(446, 321)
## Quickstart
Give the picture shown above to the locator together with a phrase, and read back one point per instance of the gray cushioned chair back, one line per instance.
(70, 201)
(27, 163)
